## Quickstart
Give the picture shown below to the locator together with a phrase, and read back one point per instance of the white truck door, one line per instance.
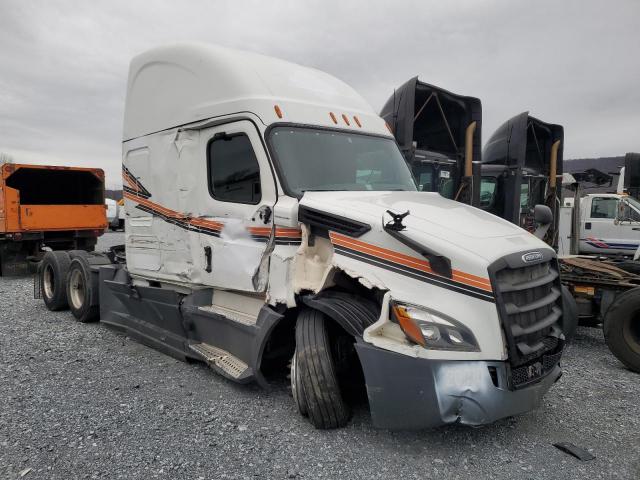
(234, 230)
(628, 226)
(602, 233)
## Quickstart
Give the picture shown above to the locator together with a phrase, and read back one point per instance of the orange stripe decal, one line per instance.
(407, 260)
(280, 233)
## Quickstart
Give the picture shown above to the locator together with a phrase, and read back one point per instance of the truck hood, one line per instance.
(440, 224)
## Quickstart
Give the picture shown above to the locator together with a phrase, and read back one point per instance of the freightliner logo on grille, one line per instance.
(532, 257)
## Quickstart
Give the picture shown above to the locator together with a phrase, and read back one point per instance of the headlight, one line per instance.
(432, 330)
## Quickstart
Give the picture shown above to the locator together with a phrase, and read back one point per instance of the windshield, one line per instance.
(324, 160)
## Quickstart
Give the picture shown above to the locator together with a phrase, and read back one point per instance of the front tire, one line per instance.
(622, 328)
(314, 370)
(53, 274)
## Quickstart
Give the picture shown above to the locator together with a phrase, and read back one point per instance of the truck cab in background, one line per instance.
(602, 223)
(439, 134)
(609, 224)
(521, 164)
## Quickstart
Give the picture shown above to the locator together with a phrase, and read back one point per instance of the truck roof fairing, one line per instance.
(524, 142)
(181, 84)
(632, 174)
(417, 112)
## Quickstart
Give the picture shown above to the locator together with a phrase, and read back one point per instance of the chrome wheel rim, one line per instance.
(76, 289)
(48, 281)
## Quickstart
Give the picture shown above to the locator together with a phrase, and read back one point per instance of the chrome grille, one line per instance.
(530, 305)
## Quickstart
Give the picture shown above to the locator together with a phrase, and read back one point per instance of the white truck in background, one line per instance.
(608, 224)
(115, 214)
(272, 220)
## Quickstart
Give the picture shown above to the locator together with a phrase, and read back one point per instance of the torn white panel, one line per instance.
(239, 307)
(281, 276)
(312, 264)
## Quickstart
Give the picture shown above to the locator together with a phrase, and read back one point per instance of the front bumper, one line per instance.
(408, 393)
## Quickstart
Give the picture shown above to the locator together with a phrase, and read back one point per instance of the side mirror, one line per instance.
(623, 213)
(542, 215)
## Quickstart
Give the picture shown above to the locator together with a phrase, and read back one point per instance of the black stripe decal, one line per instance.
(417, 274)
(210, 231)
(143, 192)
(287, 241)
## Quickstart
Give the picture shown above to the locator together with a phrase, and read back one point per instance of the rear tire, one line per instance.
(316, 373)
(569, 315)
(53, 274)
(622, 328)
(80, 291)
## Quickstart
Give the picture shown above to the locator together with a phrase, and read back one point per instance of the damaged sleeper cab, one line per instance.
(272, 223)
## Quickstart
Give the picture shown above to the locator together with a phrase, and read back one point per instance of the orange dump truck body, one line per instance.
(58, 207)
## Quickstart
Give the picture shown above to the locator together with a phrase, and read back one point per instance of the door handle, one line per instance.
(207, 258)
(264, 212)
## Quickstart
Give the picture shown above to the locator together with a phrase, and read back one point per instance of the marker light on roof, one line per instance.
(357, 120)
(278, 111)
(346, 120)
(333, 117)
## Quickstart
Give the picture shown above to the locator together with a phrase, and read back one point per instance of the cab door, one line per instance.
(235, 226)
(603, 230)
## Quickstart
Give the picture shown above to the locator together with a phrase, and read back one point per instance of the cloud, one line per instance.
(64, 64)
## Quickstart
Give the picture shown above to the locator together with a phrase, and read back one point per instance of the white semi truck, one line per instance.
(272, 220)
(608, 224)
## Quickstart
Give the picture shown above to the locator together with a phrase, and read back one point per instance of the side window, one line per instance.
(423, 175)
(487, 192)
(232, 166)
(524, 196)
(604, 207)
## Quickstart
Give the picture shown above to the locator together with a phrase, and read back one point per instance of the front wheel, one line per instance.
(313, 373)
(622, 328)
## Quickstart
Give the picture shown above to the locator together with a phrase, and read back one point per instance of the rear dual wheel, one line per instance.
(66, 282)
(53, 272)
(80, 291)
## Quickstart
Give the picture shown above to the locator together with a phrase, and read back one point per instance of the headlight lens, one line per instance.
(432, 330)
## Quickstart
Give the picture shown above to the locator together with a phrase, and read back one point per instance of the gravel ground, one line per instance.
(82, 401)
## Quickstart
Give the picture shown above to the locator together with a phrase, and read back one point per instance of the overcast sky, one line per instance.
(63, 64)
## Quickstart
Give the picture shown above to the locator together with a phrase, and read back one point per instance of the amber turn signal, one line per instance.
(408, 325)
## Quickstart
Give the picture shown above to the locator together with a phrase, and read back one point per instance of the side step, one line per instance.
(223, 362)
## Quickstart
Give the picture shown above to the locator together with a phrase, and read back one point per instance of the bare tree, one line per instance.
(5, 158)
